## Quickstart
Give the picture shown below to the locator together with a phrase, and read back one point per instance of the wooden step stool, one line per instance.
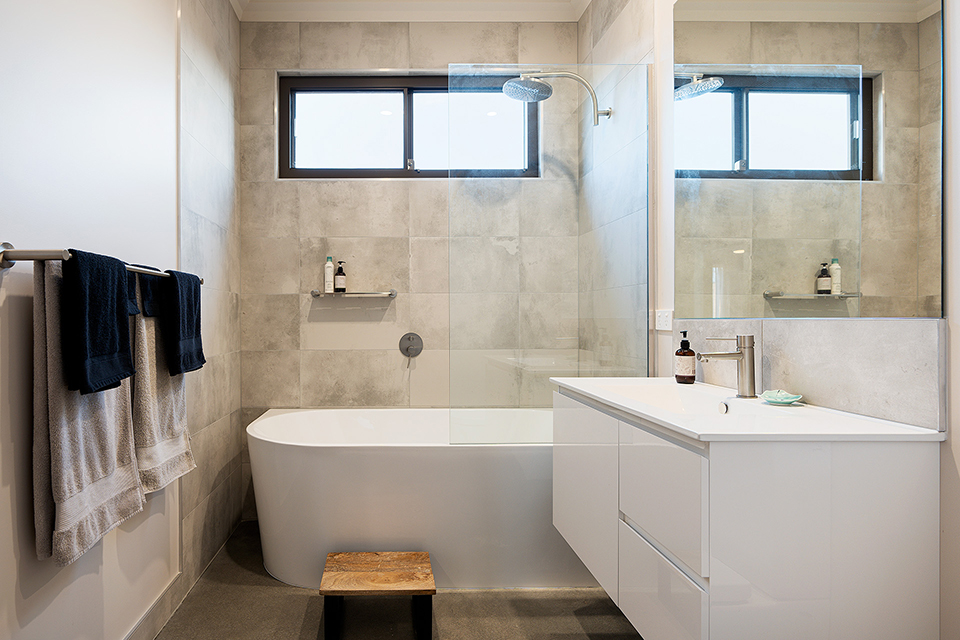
(378, 573)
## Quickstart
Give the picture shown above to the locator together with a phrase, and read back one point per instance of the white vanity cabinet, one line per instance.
(756, 532)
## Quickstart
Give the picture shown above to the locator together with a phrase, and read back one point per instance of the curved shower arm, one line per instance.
(597, 112)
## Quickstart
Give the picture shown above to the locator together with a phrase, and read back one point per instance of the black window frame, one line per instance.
(409, 85)
(741, 86)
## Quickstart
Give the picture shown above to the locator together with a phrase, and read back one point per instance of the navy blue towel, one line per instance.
(94, 324)
(150, 292)
(180, 322)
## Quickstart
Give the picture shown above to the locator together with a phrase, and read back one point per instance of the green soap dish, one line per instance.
(779, 396)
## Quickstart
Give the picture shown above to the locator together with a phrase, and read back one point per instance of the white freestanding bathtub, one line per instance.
(389, 480)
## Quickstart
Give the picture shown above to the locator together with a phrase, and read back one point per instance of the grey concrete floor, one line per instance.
(236, 599)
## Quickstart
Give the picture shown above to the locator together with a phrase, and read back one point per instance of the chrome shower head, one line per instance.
(530, 88)
(697, 86)
(527, 89)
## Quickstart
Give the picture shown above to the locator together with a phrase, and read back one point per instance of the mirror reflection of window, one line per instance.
(703, 132)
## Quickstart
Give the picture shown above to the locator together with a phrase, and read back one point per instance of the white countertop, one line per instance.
(694, 411)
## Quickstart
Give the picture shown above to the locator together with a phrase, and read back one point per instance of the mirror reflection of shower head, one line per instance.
(697, 86)
(530, 88)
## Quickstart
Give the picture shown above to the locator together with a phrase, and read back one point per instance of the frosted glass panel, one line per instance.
(478, 130)
(703, 132)
(348, 130)
(797, 131)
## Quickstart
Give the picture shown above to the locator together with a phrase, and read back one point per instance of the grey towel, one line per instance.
(159, 409)
(84, 469)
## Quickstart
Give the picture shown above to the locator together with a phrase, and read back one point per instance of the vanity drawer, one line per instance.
(664, 489)
(585, 510)
(657, 598)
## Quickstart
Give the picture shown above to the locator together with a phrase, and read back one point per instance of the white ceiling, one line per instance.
(410, 10)
(571, 10)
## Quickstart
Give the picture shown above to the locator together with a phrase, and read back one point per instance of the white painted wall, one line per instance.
(88, 159)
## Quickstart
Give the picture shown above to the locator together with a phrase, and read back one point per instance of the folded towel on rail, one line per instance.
(180, 322)
(84, 464)
(94, 321)
(159, 408)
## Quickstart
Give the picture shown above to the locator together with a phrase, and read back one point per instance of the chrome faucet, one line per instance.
(746, 374)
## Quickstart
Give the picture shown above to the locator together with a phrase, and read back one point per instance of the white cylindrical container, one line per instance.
(328, 275)
(835, 286)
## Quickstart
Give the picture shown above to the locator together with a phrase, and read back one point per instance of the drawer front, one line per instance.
(657, 598)
(663, 488)
(585, 486)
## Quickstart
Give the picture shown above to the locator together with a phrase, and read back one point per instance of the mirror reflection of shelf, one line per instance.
(781, 295)
(316, 293)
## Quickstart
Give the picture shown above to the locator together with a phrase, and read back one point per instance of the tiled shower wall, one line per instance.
(614, 189)
(899, 234)
(298, 351)
(210, 497)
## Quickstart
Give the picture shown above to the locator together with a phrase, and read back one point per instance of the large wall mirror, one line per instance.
(806, 134)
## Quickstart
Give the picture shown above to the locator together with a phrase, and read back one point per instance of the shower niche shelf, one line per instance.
(316, 293)
(781, 295)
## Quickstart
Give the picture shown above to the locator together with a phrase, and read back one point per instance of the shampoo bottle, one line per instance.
(823, 279)
(340, 279)
(685, 363)
(835, 285)
(328, 275)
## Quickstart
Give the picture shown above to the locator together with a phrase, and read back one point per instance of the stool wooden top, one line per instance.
(359, 573)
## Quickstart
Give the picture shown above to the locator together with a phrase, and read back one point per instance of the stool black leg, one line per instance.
(332, 617)
(423, 617)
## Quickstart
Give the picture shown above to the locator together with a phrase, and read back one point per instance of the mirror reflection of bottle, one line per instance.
(836, 286)
(823, 279)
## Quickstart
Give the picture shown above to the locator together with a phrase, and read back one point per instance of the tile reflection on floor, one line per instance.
(236, 599)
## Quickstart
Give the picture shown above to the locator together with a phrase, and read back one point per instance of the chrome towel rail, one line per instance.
(9, 255)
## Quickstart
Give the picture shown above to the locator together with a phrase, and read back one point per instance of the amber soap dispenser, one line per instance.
(685, 362)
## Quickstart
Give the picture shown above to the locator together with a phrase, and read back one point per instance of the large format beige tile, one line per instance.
(485, 264)
(791, 265)
(354, 45)
(484, 378)
(900, 99)
(269, 45)
(270, 265)
(355, 208)
(201, 39)
(258, 93)
(548, 208)
(889, 47)
(885, 368)
(889, 211)
(484, 207)
(337, 323)
(711, 42)
(930, 40)
(484, 321)
(219, 326)
(430, 379)
(901, 155)
(806, 209)
(213, 391)
(614, 255)
(548, 265)
(258, 157)
(548, 320)
(804, 43)
(204, 115)
(269, 322)
(889, 267)
(429, 211)
(713, 208)
(205, 250)
(207, 186)
(434, 45)
(216, 450)
(207, 527)
(930, 92)
(270, 379)
(372, 264)
(429, 265)
(270, 209)
(629, 39)
(429, 316)
(355, 379)
(547, 43)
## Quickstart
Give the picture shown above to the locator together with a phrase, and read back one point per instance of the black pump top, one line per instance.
(684, 343)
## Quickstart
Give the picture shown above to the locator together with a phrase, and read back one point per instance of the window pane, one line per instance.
(473, 131)
(703, 132)
(348, 130)
(798, 131)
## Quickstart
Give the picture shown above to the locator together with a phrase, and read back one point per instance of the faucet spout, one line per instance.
(746, 373)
